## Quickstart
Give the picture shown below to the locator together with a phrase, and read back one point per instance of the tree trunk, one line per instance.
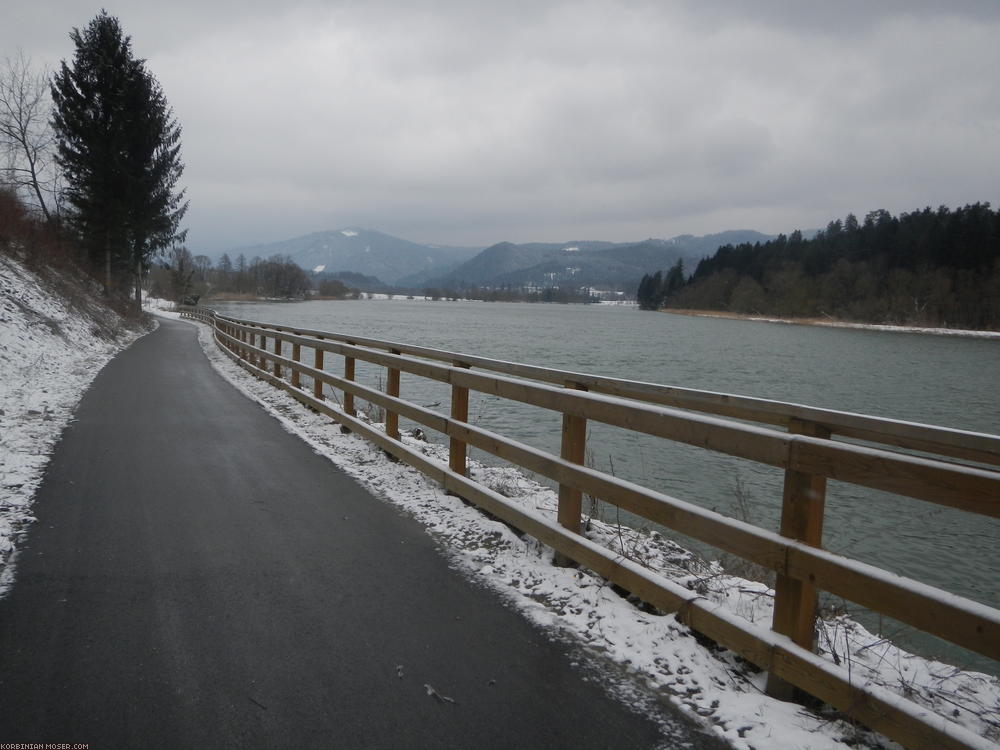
(138, 287)
(38, 193)
(107, 269)
(34, 184)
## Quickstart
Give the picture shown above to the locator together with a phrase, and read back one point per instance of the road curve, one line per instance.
(199, 578)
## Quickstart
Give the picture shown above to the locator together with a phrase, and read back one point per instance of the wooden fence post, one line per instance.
(574, 446)
(296, 355)
(349, 375)
(318, 364)
(392, 389)
(457, 449)
(277, 351)
(795, 601)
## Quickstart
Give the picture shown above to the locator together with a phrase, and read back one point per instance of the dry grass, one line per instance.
(825, 320)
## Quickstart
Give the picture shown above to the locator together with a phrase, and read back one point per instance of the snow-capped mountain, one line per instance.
(363, 251)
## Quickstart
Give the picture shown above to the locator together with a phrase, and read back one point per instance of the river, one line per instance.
(944, 380)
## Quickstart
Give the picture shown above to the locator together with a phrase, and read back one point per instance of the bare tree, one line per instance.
(202, 268)
(25, 134)
(182, 270)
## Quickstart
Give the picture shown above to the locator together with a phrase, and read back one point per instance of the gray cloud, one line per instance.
(469, 123)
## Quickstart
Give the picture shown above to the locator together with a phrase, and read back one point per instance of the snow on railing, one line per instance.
(966, 478)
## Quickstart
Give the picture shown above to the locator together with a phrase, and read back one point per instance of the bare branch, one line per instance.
(26, 137)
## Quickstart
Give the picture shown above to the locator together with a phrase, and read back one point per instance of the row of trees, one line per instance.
(654, 289)
(960, 239)
(277, 277)
(95, 150)
(936, 267)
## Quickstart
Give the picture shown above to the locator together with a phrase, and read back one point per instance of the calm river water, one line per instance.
(943, 380)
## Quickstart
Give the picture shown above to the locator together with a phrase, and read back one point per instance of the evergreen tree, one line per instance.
(118, 146)
(643, 296)
(656, 291)
(650, 292)
(674, 279)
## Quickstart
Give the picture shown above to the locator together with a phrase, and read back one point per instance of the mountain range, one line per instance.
(585, 263)
(406, 264)
(363, 251)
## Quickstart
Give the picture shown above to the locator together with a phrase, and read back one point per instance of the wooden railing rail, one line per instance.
(809, 458)
(944, 441)
(944, 483)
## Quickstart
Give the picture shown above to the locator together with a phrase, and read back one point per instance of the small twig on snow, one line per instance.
(435, 694)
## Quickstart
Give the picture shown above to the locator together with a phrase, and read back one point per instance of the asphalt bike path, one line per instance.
(199, 578)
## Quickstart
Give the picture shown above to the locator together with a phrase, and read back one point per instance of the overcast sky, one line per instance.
(471, 123)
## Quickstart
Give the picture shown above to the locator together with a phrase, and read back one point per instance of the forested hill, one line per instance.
(929, 267)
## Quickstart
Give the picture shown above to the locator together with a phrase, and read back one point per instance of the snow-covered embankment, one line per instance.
(54, 339)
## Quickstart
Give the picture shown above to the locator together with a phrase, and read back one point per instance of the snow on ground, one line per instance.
(715, 687)
(892, 328)
(52, 345)
(967, 333)
(51, 348)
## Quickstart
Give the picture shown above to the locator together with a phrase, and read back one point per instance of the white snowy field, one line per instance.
(964, 332)
(934, 331)
(383, 297)
(715, 687)
(52, 345)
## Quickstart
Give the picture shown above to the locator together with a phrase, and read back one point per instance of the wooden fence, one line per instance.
(956, 468)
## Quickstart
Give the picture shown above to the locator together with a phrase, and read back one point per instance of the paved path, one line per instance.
(198, 578)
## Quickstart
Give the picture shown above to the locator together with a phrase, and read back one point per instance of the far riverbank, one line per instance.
(833, 323)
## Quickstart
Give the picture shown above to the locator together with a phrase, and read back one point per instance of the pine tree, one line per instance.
(118, 146)
(656, 291)
(642, 296)
(674, 279)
